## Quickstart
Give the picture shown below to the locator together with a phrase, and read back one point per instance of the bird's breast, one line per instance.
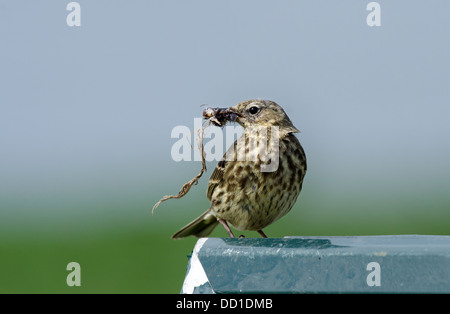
(250, 198)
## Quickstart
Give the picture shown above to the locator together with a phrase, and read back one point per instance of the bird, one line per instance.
(259, 178)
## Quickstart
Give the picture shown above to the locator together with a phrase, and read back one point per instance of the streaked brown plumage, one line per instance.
(251, 188)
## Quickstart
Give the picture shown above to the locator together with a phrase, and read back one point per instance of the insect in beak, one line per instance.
(220, 116)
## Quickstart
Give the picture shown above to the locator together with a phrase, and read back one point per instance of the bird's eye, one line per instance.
(253, 110)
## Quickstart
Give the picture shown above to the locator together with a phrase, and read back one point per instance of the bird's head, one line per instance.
(262, 113)
(252, 113)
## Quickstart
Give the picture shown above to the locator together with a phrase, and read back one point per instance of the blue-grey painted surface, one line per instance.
(362, 264)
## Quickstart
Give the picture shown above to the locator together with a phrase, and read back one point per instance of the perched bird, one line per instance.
(259, 178)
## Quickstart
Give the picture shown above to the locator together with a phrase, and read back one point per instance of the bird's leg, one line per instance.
(262, 233)
(227, 228)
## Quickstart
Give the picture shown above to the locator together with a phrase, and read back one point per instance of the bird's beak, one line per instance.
(230, 114)
(220, 116)
(226, 114)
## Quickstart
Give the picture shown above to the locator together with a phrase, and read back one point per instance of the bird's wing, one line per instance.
(216, 177)
(218, 174)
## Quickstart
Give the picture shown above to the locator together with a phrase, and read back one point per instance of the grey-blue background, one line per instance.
(86, 113)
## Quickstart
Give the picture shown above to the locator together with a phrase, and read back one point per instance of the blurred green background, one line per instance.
(86, 115)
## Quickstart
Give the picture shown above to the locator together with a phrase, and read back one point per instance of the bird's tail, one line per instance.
(200, 227)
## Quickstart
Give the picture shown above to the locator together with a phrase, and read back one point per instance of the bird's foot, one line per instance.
(262, 233)
(227, 228)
